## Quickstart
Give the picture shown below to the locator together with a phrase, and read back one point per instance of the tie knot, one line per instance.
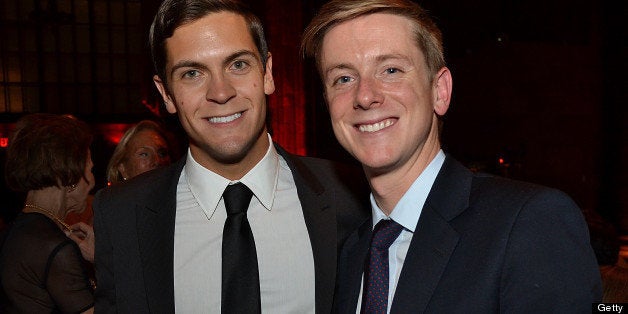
(385, 233)
(237, 198)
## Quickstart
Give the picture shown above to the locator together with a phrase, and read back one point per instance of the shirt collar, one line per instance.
(208, 186)
(262, 179)
(408, 209)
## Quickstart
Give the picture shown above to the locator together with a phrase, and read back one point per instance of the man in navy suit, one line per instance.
(159, 236)
(442, 239)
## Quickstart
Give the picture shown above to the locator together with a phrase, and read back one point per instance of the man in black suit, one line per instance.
(442, 239)
(160, 245)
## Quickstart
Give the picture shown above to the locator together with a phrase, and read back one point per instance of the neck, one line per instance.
(50, 198)
(389, 187)
(49, 202)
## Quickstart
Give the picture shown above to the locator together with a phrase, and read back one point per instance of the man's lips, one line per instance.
(377, 126)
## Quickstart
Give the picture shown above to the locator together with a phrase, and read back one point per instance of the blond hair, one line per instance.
(427, 35)
(120, 154)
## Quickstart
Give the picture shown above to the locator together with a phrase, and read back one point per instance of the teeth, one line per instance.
(226, 119)
(376, 126)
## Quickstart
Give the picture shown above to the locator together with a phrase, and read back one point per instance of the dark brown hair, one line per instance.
(174, 13)
(47, 150)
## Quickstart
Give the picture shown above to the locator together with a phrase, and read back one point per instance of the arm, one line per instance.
(66, 280)
(549, 264)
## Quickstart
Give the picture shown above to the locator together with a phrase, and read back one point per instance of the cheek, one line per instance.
(338, 106)
(92, 180)
(133, 167)
(143, 164)
(340, 123)
(335, 116)
(188, 95)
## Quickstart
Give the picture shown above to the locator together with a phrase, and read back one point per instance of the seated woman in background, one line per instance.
(143, 147)
(41, 270)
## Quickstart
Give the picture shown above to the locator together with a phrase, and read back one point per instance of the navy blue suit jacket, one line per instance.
(485, 244)
(134, 225)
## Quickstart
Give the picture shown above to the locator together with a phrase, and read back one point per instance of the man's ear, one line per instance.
(269, 83)
(442, 88)
(161, 87)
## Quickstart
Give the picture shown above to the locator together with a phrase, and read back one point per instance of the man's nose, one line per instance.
(368, 93)
(220, 90)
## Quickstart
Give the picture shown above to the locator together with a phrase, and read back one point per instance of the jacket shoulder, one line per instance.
(490, 188)
(151, 185)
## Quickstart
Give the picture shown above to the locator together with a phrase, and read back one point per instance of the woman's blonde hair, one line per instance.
(120, 153)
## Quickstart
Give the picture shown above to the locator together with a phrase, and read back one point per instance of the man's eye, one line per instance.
(191, 73)
(392, 70)
(343, 80)
(239, 65)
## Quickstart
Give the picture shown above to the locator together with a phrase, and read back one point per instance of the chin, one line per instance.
(231, 153)
(373, 159)
(376, 164)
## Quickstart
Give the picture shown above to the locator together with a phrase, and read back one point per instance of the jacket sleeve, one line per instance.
(549, 264)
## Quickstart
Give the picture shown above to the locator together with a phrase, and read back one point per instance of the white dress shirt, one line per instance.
(406, 213)
(284, 252)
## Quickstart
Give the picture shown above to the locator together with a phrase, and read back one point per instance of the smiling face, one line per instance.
(146, 151)
(218, 87)
(382, 101)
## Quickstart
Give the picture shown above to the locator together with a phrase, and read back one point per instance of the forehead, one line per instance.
(212, 33)
(370, 35)
(145, 137)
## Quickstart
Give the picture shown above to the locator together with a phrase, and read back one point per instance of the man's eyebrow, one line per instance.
(186, 64)
(230, 58)
(386, 57)
(340, 66)
(378, 59)
(239, 54)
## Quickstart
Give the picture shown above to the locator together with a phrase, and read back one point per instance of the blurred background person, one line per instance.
(143, 147)
(41, 270)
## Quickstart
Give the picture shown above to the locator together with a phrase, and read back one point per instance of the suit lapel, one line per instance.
(320, 220)
(155, 225)
(352, 260)
(434, 239)
(432, 244)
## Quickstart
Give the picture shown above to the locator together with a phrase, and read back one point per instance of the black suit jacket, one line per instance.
(485, 244)
(134, 225)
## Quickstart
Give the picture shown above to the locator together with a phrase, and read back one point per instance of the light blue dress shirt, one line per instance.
(406, 213)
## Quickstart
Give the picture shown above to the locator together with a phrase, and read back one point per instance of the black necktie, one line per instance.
(240, 275)
(375, 291)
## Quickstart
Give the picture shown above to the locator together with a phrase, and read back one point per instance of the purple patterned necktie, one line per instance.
(375, 291)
